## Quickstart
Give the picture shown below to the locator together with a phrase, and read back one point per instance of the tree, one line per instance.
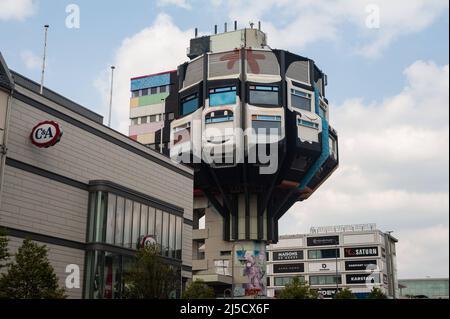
(150, 277)
(4, 255)
(376, 293)
(30, 276)
(298, 290)
(345, 294)
(198, 290)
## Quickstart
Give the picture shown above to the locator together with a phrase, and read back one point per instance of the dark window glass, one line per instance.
(158, 227)
(165, 234)
(135, 93)
(266, 124)
(162, 89)
(172, 235)
(323, 253)
(264, 95)
(189, 104)
(324, 280)
(136, 224)
(111, 219)
(301, 100)
(144, 92)
(153, 90)
(144, 120)
(179, 237)
(128, 223)
(119, 221)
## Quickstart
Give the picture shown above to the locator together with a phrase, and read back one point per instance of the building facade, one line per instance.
(433, 288)
(253, 123)
(358, 257)
(89, 193)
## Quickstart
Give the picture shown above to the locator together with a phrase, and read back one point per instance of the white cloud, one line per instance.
(307, 21)
(31, 60)
(160, 47)
(17, 9)
(179, 3)
(394, 171)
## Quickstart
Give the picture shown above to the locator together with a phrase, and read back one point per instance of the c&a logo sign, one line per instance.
(46, 134)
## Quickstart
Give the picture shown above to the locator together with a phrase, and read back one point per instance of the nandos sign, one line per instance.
(288, 255)
(46, 134)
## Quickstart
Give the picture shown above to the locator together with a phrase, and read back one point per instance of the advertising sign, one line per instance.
(363, 278)
(360, 264)
(288, 255)
(322, 241)
(317, 267)
(46, 134)
(361, 251)
(288, 268)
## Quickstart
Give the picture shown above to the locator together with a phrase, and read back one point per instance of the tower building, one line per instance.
(253, 123)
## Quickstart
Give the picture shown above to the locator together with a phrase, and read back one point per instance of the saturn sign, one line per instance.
(46, 134)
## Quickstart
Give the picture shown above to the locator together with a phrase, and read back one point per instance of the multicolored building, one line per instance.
(150, 111)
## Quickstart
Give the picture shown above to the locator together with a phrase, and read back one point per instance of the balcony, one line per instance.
(199, 265)
(199, 234)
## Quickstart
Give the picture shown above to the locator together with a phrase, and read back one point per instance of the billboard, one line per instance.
(360, 264)
(363, 278)
(288, 255)
(288, 268)
(322, 241)
(361, 251)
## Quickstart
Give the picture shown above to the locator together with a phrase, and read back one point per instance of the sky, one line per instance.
(388, 85)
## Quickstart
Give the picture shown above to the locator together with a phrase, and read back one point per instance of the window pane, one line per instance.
(162, 89)
(158, 226)
(144, 220)
(172, 235)
(144, 120)
(179, 237)
(189, 105)
(144, 92)
(111, 219)
(222, 98)
(127, 223)
(300, 102)
(165, 234)
(135, 93)
(267, 127)
(119, 221)
(154, 90)
(151, 222)
(136, 224)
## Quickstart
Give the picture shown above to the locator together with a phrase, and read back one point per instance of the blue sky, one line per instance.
(388, 89)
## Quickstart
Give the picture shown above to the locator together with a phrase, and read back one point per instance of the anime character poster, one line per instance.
(253, 262)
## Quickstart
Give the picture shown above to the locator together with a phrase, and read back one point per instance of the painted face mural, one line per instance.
(254, 270)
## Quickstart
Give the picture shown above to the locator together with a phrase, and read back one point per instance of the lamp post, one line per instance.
(337, 281)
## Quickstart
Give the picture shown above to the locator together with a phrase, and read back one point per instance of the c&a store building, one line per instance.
(87, 192)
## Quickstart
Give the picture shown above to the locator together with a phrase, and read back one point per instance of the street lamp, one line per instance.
(337, 281)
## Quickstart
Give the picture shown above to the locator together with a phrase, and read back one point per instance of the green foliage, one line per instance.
(198, 290)
(345, 294)
(297, 290)
(30, 276)
(4, 255)
(376, 293)
(150, 277)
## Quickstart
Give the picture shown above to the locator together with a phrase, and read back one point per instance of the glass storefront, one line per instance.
(117, 226)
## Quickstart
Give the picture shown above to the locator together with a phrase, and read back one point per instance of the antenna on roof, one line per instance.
(225, 27)
(44, 57)
(251, 25)
(215, 29)
(196, 32)
(235, 25)
(259, 25)
(111, 95)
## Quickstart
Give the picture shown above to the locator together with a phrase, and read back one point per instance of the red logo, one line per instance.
(251, 57)
(46, 134)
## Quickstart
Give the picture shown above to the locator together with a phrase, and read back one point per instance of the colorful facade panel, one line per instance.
(150, 81)
(152, 99)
